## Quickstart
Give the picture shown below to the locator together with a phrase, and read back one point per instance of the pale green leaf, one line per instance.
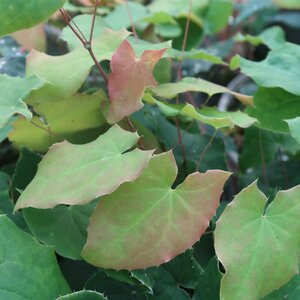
(13, 91)
(67, 119)
(77, 174)
(160, 222)
(19, 14)
(259, 248)
(289, 4)
(294, 125)
(28, 270)
(66, 73)
(191, 84)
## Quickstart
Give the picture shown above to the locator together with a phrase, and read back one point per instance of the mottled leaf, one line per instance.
(160, 222)
(19, 14)
(77, 174)
(258, 247)
(13, 91)
(28, 269)
(129, 78)
(190, 84)
(66, 73)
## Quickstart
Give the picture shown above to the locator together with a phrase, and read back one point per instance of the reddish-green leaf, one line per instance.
(146, 222)
(129, 78)
(77, 174)
(259, 250)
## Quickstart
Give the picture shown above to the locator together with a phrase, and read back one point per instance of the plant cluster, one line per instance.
(149, 150)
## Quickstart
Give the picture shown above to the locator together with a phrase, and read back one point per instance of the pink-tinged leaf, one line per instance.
(146, 223)
(77, 174)
(129, 78)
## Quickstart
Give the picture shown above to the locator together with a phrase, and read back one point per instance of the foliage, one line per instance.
(150, 151)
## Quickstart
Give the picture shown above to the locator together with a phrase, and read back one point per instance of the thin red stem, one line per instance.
(131, 20)
(93, 21)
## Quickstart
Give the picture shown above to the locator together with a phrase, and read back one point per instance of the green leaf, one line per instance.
(62, 79)
(273, 37)
(281, 68)
(208, 115)
(83, 295)
(84, 23)
(4, 131)
(294, 126)
(119, 285)
(243, 237)
(13, 91)
(260, 147)
(209, 282)
(289, 4)
(92, 169)
(66, 119)
(19, 14)
(28, 269)
(272, 107)
(190, 84)
(217, 15)
(162, 220)
(6, 205)
(163, 284)
(46, 225)
(290, 290)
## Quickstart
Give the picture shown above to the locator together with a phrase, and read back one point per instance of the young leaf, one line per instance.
(129, 78)
(160, 222)
(66, 73)
(248, 242)
(170, 90)
(19, 14)
(13, 91)
(28, 270)
(77, 174)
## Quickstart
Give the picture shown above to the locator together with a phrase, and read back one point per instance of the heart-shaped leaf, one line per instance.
(260, 251)
(129, 78)
(146, 222)
(77, 174)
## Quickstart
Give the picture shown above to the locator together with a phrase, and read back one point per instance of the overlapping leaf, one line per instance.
(129, 78)
(190, 84)
(83, 295)
(208, 115)
(13, 91)
(259, 250)
(19, 14)
(294, 125)
(77, 174)
(146, 222)
(28, 270)
(75, 118)
(274, 106)
(281, 68)
(66, 73)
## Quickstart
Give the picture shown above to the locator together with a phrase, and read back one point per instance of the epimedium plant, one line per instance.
(117, 182)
